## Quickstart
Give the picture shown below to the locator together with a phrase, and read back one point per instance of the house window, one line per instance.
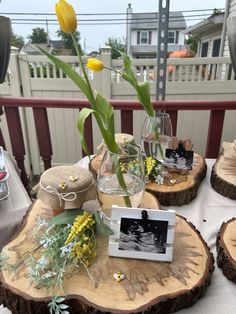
(204, 50)
(144, 38)
(171, 37)
(216, 48)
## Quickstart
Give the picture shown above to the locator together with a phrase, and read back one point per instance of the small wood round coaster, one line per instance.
(226, 249)
(223, 175)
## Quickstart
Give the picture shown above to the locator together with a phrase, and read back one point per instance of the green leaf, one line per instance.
(101, 228)
(146, 98)
(128, 65)
(63, 306)
(83, 115)
(66, 217)
(71, 73)
(106, 111)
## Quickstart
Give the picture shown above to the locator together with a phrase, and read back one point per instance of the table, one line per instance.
(207, 212)
(12, 209)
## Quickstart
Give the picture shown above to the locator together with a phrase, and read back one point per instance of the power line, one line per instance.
(94, 14)
(91, 24)
(177, 17)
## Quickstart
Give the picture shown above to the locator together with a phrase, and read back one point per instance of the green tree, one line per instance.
(67, 40)
(17, 41)
(192, 42)
(38, 36)
(116, 44)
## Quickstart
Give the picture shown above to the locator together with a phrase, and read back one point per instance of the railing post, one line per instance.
(106, 75)
(17, 141)
(215, 129)
(43, 135)
(28, 114)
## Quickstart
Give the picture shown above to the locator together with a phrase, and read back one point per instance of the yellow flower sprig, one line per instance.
(82, 237)
(150, 164)
(80, 225)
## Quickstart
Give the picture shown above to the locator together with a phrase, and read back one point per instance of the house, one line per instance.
(142, 33)
(208, 33)
(55, 46)
(32, 49)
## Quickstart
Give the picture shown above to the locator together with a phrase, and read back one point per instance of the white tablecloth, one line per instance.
(207, 212)
(12, 209)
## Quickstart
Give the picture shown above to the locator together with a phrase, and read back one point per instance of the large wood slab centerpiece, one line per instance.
(155, 287)
(169, 194)
(223, 175)
(226, 249)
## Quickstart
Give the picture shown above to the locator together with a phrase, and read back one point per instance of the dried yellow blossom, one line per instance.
(80, 225)
(150, 164)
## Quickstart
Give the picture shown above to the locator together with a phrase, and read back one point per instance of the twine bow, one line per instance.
(61, 196)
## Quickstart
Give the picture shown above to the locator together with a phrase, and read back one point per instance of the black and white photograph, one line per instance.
(179, 159)
(143, 235)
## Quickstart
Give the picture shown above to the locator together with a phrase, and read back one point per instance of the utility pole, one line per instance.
(162, 46)
(47, 31)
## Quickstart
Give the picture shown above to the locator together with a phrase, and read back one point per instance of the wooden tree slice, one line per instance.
(185, 188)
(223, 175)
(226, 251)
(156, 287)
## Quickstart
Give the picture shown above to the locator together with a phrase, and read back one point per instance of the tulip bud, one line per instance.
(94, 64)
(66, 16)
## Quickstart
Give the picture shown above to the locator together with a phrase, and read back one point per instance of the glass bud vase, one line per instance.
(156, 134)
(128, 166)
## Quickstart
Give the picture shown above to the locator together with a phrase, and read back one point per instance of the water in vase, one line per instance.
(110, 193)
(156, 148)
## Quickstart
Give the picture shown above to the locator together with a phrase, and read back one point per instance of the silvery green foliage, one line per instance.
(57, 307)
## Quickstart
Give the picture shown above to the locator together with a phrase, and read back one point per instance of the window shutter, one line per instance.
(138, 37)
(150, 38)
(177, 37)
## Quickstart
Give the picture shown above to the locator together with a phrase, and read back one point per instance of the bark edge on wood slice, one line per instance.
(147, 283)
(225, 245)
(184, 192)
(223, 174)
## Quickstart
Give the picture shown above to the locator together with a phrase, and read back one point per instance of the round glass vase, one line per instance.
(156, 134)
(126, 166)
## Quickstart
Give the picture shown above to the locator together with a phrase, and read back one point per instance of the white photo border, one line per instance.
(118, 213)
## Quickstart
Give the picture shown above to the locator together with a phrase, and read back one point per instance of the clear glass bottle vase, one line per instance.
(127, 165)
(156, 134)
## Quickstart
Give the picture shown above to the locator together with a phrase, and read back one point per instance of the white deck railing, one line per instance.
(182, 69)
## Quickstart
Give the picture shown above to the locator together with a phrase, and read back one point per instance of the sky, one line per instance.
(94, 37)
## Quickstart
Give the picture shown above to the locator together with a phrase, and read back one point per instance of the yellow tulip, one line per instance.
(66, 16)
(94, 64)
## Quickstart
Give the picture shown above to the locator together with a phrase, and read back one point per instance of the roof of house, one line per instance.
(215, 20)
(32, 49)
(57, 44)
(150, 20)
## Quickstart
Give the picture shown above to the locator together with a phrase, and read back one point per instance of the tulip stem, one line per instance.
(78, 51)
(113, 146)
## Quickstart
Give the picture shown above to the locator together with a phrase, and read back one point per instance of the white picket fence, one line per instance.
(187, 79)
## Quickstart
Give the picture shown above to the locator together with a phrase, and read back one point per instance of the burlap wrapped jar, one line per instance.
(66, 187)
